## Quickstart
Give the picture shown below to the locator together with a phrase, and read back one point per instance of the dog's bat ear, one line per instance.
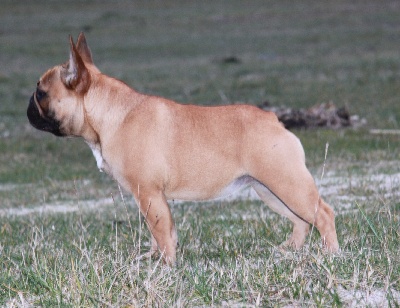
(74, 74)
(83, 49)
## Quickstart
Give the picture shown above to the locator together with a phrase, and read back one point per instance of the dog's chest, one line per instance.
(101, 163)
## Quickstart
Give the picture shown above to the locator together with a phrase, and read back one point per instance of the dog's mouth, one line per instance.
(39, 120)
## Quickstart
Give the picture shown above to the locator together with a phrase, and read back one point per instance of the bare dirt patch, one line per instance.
(58, 207)
(341, 191)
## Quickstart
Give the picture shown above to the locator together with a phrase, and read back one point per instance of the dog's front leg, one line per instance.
(154, 246)
(154, 207)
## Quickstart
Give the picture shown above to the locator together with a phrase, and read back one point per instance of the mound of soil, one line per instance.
(321, 115)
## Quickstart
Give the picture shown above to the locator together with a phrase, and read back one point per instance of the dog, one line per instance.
(159, 150)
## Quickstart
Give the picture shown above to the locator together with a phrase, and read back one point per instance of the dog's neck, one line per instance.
(110, 92)
(104, 90)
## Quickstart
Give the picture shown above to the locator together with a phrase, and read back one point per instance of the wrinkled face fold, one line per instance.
(40, 115)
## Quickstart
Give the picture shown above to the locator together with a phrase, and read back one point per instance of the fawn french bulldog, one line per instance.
(158, 149)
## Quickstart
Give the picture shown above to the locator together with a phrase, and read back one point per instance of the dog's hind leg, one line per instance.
(283, 181)
(300, 227)
(303, 206)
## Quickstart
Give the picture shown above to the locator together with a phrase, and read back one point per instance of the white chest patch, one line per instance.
(96, 149)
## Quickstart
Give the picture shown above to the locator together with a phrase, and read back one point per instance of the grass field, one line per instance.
(70, 238)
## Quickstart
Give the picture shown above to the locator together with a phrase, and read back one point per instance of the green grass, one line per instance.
(294, 54)
(228, 254)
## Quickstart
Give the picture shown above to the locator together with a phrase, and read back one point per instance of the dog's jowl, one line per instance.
(158, 149)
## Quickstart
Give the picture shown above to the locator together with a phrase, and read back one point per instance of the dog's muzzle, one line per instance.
(40, 121)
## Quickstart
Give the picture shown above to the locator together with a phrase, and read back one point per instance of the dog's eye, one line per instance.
(40, 94)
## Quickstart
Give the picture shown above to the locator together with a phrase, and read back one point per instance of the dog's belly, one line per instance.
(201, 193)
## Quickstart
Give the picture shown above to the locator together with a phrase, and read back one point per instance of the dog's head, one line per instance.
(57, 104)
